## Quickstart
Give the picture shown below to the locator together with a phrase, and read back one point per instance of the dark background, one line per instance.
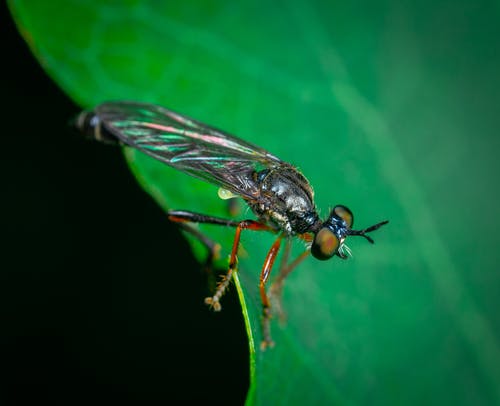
(90, 312)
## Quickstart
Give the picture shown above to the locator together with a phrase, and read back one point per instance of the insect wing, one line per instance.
(188, 145)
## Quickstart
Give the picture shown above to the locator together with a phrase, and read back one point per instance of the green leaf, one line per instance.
(390, 110)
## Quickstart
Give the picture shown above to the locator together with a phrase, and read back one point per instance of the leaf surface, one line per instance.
(370, 102)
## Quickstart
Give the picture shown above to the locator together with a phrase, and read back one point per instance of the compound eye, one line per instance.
(345, 214)
(325, 244)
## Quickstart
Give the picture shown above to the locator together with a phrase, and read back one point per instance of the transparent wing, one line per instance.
(188, 145)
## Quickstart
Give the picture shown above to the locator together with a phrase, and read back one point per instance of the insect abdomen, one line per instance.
(89, 124)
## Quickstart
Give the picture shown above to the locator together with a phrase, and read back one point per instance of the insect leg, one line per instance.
(274, 294)
(276, 290)
(214, 301)
(266, 304)
(181, 216)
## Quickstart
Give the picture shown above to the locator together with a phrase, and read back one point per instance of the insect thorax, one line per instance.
(286, 199)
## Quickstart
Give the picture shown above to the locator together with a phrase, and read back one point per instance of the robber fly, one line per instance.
(278, 194)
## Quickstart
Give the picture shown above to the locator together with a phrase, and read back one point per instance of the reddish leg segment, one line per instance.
(266, 304)
(285, 267)
(181, 216)
(214, 301)
(276, 290)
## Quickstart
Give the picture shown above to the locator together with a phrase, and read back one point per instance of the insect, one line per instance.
(277, 193)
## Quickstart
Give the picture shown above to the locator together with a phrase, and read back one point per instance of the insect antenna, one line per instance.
(363, 232)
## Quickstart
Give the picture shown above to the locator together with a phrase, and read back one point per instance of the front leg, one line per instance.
(266, 304)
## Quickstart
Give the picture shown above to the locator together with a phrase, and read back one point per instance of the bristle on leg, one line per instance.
(214, 301)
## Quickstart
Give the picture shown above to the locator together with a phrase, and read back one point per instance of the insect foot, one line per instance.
(213, 303)
(266, 343)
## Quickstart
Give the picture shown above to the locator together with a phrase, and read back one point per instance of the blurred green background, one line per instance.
(389, 108)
